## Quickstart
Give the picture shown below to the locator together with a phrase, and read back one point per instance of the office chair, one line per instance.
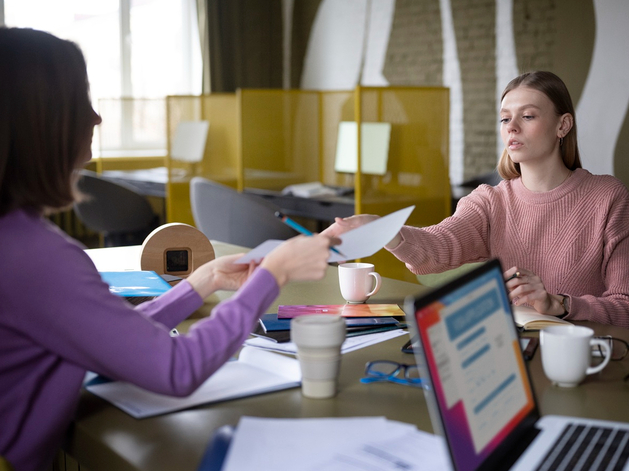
(459, 191)
(226, 215)
(117, 210)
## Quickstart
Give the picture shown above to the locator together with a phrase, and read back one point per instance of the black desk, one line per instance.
(324, 208)
(152, 182)
(148, 182)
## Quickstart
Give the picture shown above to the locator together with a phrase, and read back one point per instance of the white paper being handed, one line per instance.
(363, 241)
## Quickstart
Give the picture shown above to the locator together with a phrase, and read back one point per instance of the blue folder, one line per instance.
(135, 283)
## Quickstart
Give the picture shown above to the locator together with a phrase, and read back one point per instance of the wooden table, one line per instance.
(105, 438)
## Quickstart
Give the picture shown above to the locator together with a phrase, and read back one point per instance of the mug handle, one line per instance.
(607, 353)
(378, 283)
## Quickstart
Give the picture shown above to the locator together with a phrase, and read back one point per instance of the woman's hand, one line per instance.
(302, 258)
(527, 288)
(220, 273)
(342, 225)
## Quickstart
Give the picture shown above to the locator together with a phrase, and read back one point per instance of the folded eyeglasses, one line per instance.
(392, 372)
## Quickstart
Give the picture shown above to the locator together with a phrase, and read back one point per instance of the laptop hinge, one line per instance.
(515, 450)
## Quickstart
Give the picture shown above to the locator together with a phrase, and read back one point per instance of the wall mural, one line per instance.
(603, 106)
(350, 44)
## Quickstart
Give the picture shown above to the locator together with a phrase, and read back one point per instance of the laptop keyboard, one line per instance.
(584, 447)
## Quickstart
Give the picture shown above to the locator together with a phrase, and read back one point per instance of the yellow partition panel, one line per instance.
(220, 161)
(268, 139)
(336, 106)
(279, 132)
(417, 171)
(417, 168)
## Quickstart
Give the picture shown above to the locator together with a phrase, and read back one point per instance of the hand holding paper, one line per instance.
(357, 243)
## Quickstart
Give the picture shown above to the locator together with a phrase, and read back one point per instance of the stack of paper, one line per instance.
(367, 443)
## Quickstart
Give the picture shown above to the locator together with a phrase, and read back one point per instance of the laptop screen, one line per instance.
(471, 350)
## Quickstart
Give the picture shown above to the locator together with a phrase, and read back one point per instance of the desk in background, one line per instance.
(152, 182)
(149, 182)
(104, 438)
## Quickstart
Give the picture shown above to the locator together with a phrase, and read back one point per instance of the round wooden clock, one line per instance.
(175, 249)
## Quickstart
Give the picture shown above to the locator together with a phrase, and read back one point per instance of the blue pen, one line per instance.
(299, 228)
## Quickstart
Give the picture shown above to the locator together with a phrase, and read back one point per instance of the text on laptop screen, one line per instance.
(477, 371)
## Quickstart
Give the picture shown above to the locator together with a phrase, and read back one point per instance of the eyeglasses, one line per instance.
(618, 347)
(391, 371)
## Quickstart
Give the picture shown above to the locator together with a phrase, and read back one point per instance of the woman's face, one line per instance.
(529, 126)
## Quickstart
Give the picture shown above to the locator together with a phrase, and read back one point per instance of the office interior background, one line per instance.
(154, 48)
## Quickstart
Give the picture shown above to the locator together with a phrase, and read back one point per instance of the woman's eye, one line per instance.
(504, 120)
(527, 117)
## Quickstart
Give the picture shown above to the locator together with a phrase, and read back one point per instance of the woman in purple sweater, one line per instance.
(564, 231)
(57, 318)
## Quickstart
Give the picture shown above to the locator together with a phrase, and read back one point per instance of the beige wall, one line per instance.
(556, 35)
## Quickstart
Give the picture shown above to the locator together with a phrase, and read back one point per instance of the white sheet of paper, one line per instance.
(363, 241)
(255, 372)
(349, 345)
(321, 443)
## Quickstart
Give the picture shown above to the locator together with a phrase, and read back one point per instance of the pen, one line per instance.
(515, 275)
(299, 228)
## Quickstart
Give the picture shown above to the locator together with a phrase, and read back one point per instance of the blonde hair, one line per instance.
(554, 88)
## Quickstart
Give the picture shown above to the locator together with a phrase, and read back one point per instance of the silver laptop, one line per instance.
(479, 393)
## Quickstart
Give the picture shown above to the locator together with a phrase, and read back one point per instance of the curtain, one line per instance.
(241, 43)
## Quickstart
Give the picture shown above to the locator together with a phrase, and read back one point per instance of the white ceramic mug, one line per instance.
(358, 281)
(318, 338)
(567, 354)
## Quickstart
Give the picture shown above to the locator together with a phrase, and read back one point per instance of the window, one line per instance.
(143, 49)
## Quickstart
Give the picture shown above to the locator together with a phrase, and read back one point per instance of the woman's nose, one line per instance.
(97, 118)
(512, 126)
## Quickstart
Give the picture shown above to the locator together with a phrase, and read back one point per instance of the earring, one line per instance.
(560, 141)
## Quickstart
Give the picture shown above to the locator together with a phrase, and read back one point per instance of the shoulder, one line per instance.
(604, 187)
(31, 244)
(491, 195)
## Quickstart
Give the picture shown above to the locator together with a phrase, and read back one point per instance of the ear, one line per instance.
(566, 121)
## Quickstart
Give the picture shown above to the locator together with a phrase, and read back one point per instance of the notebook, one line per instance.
(345, 310)
(479, 393)
(136, 286)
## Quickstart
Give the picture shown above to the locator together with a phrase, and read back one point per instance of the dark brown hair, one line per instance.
(45, 119)
(554, 88)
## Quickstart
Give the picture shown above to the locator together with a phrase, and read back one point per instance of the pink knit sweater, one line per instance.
(575, 237)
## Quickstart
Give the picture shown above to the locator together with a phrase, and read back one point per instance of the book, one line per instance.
(255, 372)
(135, 283)
(529, 319)
(283, 336)
(345, 310)
(271, 322)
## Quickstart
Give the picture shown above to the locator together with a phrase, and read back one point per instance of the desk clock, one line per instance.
(175, 249)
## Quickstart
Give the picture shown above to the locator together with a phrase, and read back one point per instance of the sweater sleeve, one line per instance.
(76, 318)
(612, 306)
(461, 238)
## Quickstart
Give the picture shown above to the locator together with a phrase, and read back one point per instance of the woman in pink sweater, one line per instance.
(564, 231)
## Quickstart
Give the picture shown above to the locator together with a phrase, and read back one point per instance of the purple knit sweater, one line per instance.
(58, 320)
(575, 237)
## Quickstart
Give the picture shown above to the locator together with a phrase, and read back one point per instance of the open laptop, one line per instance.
(479, 393)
